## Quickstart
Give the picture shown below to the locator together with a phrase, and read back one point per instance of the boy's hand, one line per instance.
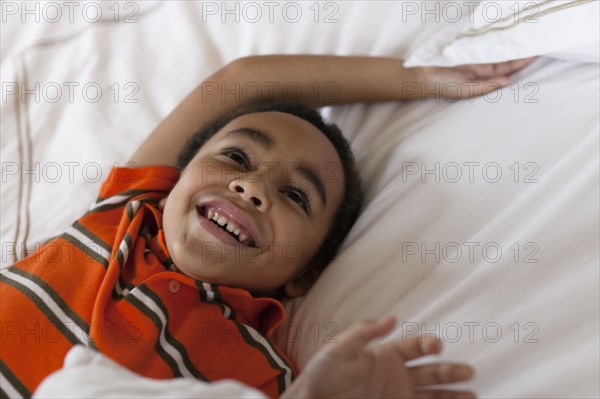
(465, 81)
(352, 369)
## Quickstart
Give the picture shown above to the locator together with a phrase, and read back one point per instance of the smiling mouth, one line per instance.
(228, 226)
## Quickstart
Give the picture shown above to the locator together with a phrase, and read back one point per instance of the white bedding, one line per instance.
(85, 372)
(545, 127)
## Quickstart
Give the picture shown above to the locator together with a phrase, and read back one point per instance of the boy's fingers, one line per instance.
(353, 340)
(508, 68)
(440, 374)
(517, 65)
(489, 71)
(444, 394)
(415, 347)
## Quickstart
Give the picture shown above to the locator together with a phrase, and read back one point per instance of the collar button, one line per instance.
(174, 286)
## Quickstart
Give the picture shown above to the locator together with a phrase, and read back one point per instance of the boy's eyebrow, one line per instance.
(306, 171)
(253, 134)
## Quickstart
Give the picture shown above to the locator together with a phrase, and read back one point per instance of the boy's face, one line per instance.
(271, 178)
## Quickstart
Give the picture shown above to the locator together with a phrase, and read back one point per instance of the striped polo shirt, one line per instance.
(108, 283)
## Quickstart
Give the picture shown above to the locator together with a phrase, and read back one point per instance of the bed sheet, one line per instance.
(481, 222)
(481, 227)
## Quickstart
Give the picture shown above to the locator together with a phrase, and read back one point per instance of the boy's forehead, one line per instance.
(275, 125)
(282, 132)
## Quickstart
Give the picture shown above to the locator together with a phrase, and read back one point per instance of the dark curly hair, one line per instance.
(352, 200)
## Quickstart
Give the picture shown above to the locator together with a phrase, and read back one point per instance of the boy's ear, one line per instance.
(299, 285)
(293, 289)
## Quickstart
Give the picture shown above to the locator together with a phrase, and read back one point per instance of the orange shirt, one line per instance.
(108, 283)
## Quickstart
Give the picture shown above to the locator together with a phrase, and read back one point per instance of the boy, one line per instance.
(189, 292)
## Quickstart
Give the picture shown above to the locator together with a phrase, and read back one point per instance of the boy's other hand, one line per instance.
(465, 81)
(353, 369)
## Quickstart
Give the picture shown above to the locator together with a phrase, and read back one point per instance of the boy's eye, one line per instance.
(299, 197)
(238, 156)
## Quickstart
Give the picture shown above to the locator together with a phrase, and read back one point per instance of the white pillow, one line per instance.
(496, 31)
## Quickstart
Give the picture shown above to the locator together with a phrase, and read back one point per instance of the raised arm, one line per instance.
(310, 79)
(314, 80)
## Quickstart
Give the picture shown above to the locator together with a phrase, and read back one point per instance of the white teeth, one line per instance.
(222, 221)
(242, 237)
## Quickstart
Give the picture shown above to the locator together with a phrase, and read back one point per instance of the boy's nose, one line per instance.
(250, 191)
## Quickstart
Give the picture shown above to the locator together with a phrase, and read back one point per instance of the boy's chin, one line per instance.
(195, 273)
